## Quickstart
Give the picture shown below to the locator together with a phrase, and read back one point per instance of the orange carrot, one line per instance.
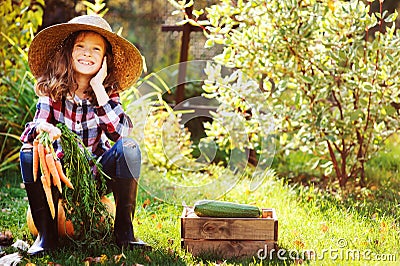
(43, 165)
(62, 176)
(53, 171)
(35, 159)
(49, 196)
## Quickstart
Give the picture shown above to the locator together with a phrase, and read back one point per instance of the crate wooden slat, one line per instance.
(227, 248)
(228, 237)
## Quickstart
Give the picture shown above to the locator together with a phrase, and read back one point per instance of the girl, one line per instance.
(80, 67)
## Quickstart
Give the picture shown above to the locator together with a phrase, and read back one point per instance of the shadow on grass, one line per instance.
(379, 196)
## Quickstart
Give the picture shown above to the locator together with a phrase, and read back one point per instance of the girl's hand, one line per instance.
(97, 84)
(97, 81)
(54, 132)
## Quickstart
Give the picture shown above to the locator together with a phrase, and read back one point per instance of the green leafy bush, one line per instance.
(333, 88)
(19, 21)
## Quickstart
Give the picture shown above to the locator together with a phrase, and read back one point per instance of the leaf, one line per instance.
(176, 4)
(392, 17)
(299, 244)
(159, 225)
(182, 22)
(324, 228)
(203, 22)
(176, 12)
(307, 79)
(209, 43)
(117, 258)
(390, 57)
(355, 115)
(328, 170)
(189, 4)
(368, 87)
(327, 164)
(197, 13)
(315, 164)
(146, 203)
(193, 22)
(390, 110)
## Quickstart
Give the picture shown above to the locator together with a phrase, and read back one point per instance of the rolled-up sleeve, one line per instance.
(43, 114)
(113, 120)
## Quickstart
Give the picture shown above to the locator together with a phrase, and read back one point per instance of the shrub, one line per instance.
(19, 20)
(332, 87)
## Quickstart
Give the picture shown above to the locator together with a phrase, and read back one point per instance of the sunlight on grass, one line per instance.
(332, 230)
(309, 221)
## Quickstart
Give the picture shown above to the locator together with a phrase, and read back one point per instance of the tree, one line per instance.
(332, 88)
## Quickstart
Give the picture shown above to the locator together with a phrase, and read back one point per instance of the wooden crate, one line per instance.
(228, 237)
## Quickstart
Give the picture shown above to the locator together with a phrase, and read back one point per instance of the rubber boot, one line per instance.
(47, 238)
(125, 190)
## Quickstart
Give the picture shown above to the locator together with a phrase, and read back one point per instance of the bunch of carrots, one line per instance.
(83, 204)
(50, 168)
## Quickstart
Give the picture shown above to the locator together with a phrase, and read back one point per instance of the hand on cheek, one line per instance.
(97, 84)
(97, 81)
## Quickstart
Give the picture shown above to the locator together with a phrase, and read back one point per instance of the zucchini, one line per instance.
(224, 209)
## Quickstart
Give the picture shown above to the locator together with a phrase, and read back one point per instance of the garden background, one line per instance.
(305, 120)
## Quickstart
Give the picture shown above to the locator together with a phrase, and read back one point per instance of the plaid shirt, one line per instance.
(94, 124)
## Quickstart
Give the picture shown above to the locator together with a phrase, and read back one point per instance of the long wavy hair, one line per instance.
(58, 80)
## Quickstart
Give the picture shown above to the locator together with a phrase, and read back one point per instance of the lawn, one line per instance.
(316, 227)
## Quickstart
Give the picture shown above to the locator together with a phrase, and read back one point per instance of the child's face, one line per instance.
(87, 53)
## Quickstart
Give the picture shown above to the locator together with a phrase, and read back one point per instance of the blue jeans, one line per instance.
(123, 160)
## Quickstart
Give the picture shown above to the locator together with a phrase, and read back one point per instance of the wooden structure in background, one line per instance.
(186, 29)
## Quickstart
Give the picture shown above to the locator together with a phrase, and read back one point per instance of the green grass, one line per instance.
(331, 226)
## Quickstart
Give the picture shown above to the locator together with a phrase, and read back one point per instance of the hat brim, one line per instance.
(128, 61)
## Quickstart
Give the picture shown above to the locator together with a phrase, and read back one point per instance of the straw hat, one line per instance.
(127, 58)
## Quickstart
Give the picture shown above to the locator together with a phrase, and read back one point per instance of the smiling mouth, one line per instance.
(86, 63)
